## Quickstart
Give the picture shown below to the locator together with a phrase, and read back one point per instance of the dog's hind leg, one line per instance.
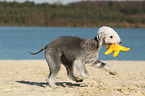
(54, 67)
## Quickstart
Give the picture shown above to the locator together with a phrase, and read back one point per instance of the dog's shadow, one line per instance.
(62, 84)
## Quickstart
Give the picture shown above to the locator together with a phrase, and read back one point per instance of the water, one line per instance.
(17, 41)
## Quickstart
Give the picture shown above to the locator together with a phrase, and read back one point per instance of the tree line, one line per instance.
(79, 14)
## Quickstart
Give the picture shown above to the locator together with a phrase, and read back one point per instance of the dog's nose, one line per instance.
(120, 42)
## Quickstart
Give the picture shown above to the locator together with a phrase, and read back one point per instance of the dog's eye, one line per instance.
(111, 36)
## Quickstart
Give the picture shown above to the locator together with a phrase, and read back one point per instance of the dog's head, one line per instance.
(108, 36)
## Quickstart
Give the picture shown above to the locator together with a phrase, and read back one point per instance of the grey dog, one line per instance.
(75, 51)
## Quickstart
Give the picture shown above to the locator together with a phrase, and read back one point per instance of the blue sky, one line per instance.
(41, 1)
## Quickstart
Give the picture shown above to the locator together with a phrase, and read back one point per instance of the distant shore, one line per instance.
(121, 14)
(28, 78)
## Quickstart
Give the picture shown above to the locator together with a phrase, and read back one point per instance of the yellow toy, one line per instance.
(115, 48)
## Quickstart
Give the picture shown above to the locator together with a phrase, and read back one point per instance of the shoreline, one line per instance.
(28, 78)
(115, 25)
(44, 60)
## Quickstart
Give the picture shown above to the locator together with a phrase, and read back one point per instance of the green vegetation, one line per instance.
(80, 14)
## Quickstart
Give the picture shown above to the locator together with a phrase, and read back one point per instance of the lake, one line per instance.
(17, 41)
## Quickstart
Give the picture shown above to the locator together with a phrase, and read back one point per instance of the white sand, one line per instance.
(28, 78)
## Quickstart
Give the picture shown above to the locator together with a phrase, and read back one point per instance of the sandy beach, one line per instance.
(28, 78)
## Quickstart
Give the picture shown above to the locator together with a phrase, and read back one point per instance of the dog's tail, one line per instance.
(38, 51)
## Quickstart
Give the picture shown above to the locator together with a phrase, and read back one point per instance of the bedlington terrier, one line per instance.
(75, 51)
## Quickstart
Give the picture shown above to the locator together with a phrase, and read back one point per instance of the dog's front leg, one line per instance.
(102, 65)
(81, 68)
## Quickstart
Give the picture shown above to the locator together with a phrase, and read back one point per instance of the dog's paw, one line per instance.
(113, 73)
(79, 80)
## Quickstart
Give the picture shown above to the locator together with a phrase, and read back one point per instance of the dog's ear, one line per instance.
(100, 38)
